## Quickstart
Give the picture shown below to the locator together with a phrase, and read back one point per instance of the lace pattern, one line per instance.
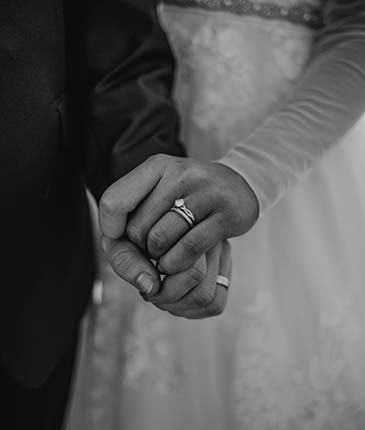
(303, 14)
(222, 89)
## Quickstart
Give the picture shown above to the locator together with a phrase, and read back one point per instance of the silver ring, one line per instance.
(222, 280)
(180, 208)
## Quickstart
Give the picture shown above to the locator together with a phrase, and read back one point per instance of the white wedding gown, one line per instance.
(289, 351)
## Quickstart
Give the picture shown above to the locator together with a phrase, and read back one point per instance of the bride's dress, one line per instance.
(289, 351)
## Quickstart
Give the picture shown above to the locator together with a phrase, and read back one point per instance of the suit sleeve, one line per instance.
(328, 100)
(128, 113)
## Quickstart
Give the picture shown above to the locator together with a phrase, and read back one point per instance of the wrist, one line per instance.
(249, 202)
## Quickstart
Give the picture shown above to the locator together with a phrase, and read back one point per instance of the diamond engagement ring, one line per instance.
(180, 208)
(222, 280)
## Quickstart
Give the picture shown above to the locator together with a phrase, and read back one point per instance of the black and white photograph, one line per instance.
(182, 188)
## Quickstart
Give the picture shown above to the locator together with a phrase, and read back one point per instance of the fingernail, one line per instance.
(145, 283)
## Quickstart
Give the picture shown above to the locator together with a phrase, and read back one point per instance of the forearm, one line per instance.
(329, 98)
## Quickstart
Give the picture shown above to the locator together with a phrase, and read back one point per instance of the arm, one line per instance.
(328, 100)
(125, 67)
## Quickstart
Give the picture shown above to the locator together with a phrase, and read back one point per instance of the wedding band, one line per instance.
(222, 280)
(185, 213)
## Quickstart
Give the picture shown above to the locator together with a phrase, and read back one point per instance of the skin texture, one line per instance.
(138, 228)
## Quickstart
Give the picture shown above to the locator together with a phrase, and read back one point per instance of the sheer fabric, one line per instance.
(328, 99)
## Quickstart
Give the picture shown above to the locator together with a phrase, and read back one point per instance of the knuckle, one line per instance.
(165, 296)
(135, 233)
(197, 174)
(178, 167)
(152, 158)
(158, 158)
(215, 308)
(195, 275)
(178, 164)
(107, 205)
(203, 298)
(193, 246)
(156, 241)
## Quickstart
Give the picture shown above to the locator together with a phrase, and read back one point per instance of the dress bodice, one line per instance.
(234, 64)
(308, 13)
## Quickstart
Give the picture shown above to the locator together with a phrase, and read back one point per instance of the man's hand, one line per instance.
(192, 293)
(138, 205)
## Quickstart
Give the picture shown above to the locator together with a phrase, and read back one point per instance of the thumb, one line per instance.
(131, 264)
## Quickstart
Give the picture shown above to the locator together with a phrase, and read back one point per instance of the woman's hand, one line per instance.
(139, 204)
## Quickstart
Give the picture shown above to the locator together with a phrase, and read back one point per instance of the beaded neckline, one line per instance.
(304, 14)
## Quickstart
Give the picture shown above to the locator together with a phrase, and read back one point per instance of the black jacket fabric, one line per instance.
(84, 98)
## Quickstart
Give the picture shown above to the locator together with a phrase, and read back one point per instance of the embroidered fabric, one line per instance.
(303, 14)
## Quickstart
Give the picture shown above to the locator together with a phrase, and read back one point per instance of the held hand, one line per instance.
(194, 293)
(221, 201)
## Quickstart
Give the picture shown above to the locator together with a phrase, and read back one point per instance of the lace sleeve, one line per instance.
(328, 100)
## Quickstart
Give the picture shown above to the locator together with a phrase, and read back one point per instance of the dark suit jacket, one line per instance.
(84, 98)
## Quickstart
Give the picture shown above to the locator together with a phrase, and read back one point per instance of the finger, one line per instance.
(192, 245)
(215, 308)
(150, 210)
(225, 262)
(125, 194)
(172, 226)
(175, 287)
(200, 297)
(218, 304)
(131, 264)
